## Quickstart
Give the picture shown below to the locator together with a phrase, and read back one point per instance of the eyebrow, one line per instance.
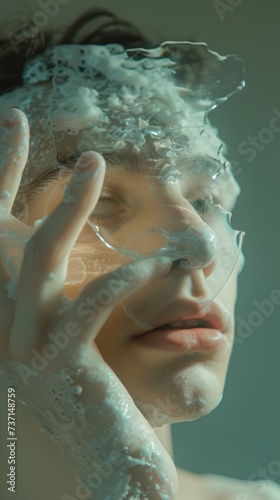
(129, 161)
(125, 160)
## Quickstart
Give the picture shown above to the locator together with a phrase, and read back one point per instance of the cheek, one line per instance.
(228, 293)
(84, 265)
(88, 260)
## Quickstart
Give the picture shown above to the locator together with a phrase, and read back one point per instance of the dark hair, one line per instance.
(97, 26)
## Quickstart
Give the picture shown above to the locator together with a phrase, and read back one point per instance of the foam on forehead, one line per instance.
(80, 97)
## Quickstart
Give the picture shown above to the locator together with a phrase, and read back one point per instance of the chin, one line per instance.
(187, 396)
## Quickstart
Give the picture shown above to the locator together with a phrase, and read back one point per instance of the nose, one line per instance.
(187, 237)
(196, 247)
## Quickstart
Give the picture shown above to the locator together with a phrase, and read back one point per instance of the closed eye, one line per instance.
(107, 206)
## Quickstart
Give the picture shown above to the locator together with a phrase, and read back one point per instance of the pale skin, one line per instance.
(135, 369)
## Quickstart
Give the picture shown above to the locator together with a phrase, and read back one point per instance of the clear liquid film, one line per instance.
(154, 103)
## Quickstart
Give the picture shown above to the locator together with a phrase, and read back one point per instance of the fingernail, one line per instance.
(163, 266)
(163, 261)
(88, 160)
(160, 265)
(11, 119)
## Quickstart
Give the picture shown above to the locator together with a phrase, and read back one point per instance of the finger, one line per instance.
(44, 266)
(91, 309)
(14, 150)
(56, 237)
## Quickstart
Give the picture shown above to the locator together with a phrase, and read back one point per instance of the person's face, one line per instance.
(183, 384)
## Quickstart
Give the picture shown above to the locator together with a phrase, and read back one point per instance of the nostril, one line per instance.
(196, 248)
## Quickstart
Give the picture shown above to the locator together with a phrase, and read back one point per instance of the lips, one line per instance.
(187, 323)
(193, 332)
(215, 318)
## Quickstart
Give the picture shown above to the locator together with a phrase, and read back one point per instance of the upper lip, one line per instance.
(215, 317)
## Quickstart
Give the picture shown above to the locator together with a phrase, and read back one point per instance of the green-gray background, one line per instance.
(242, 436)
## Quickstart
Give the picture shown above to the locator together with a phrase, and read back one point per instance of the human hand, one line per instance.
(48, 351)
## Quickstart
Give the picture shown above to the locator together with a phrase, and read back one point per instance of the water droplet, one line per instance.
(155, 132)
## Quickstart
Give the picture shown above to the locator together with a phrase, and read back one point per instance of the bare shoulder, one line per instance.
(215, 487)
(191, 486)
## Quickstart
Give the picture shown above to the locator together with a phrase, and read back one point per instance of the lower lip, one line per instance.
(187, 340)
